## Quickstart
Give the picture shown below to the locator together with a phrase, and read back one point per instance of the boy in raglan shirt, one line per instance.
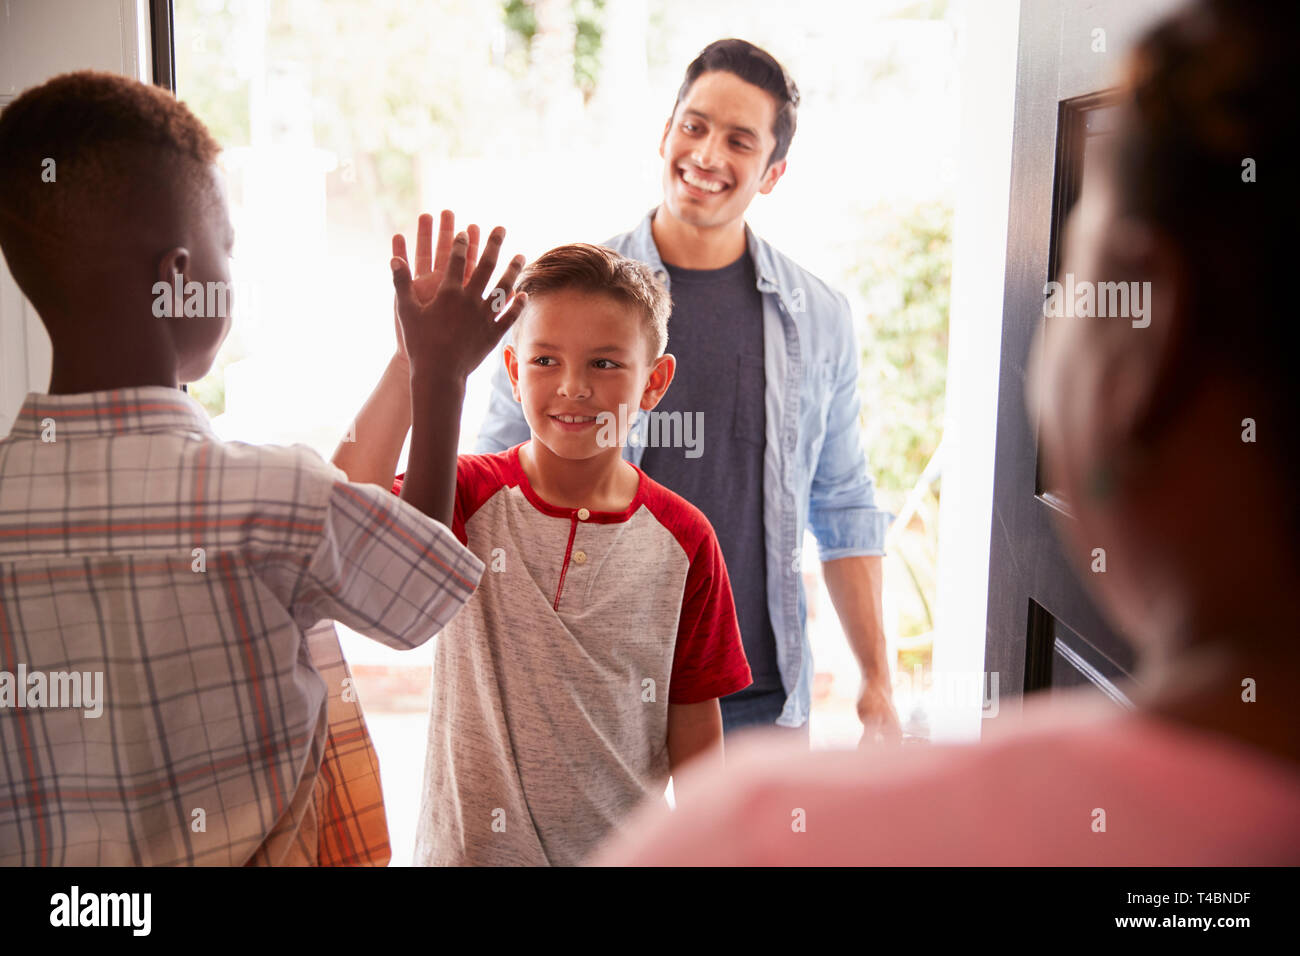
(587, 667)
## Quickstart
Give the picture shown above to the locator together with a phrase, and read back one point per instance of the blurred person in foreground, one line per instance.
(1144, 429)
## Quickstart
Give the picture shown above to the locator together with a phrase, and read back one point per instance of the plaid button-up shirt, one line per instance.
(171, 687)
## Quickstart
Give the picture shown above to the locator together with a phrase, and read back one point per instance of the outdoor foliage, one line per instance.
(905, 275)
(521, 18)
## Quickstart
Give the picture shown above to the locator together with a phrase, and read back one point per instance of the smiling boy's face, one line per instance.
(578, 356)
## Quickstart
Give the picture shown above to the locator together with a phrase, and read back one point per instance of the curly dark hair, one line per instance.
(87, 155)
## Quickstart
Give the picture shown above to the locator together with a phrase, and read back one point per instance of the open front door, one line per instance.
(1043, 630)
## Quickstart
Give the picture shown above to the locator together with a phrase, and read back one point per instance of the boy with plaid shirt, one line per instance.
(193, 580)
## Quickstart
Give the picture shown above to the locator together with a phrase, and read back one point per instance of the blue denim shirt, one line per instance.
(814, 470)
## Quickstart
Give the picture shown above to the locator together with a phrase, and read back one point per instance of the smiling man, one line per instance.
(767, 358)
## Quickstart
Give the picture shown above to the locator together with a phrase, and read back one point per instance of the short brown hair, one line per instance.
(117, 147)
(582, 267)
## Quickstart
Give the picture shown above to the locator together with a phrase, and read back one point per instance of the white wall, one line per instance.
(989, 34)
(40, 39)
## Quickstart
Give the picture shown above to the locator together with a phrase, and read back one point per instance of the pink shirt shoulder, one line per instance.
(1071, 783)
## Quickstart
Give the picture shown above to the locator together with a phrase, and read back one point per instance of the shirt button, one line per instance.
(579, 557)
(583, 514)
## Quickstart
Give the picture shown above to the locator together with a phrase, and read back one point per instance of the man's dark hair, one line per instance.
(756, 66)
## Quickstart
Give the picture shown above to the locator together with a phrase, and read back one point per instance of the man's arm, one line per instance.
(854, 585)
(694, 739)
(850, 532)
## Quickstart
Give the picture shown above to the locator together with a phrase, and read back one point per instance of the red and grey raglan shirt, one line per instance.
(551, 688)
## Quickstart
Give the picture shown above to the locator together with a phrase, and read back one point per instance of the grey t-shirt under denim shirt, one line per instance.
(716, 334)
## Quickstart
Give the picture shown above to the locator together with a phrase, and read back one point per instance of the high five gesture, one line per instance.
(449, 328)
(445, 325)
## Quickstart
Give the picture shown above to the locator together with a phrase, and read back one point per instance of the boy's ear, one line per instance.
(511, 358)
(664, 138)
(661, 376)
(174, 260)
